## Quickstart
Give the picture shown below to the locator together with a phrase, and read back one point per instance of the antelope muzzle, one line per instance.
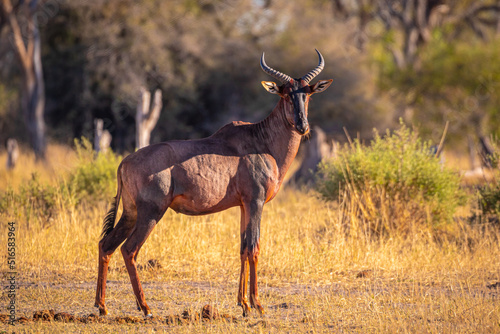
(302, 127)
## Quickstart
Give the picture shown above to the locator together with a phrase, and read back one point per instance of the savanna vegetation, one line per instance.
(391, 237)
(399, 253)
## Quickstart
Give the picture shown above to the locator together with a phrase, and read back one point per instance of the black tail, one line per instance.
(109, 219)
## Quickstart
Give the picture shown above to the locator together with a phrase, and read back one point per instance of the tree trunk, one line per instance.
(34, 99)
(486, 152)
(146, 117)
(474, 163)
(315, 150)
(29, 54)
(12, 153)
(102, 138)
(498, 20)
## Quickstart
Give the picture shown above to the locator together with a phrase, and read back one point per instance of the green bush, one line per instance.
(94, 177)
(396, 181)
(489, 199)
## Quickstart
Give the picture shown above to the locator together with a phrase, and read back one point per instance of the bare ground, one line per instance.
(363, 301)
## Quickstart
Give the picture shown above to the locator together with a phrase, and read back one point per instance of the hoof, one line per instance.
(254, 302)
(246, 309)
(103, 311)
(259, 308)
(147, 312)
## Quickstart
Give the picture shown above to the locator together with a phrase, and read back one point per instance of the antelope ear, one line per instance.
(271, 87)
(320, 86)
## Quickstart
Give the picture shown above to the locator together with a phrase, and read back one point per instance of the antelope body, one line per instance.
(242, 164)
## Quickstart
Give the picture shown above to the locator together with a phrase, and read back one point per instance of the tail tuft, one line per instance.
(109, 220)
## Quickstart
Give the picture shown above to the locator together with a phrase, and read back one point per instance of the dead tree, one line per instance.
(482, 161)
(26, 44)
(12, 153)
(486, 152)
(315, 150)
(474, 162)
(146, 117)
(102, 138)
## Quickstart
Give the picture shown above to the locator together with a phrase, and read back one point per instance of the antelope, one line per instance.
(242, 164)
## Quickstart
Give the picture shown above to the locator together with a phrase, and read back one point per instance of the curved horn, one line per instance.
(272, 72)
(309, 76)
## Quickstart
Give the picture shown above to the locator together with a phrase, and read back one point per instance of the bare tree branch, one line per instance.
(19, 45)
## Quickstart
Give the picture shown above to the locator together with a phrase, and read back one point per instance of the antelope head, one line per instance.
(296, 92)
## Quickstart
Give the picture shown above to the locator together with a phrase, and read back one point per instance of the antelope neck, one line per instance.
(282, 140)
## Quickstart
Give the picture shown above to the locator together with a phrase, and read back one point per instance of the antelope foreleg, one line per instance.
(250, 227)
(242, 291)
(129, 251)
(253, 260)
(136, 284)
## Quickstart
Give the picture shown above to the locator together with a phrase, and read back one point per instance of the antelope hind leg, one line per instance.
(107, 246)
(102, 274)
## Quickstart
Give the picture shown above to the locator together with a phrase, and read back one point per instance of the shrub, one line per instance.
(91, 180)
(489, 193)
(394, 184)
(32, 200)
(489, 199)
(94, 177)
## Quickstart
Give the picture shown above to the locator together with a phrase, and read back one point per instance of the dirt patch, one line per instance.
(152, 264)
(495, 285)
(284, 306)
(64, 317)
(364, 274)
(23, 320)
(44, 315)
(207, 313)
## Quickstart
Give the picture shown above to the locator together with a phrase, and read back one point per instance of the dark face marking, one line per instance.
(297, 93)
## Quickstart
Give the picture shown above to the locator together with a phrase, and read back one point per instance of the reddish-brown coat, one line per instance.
(242, 164)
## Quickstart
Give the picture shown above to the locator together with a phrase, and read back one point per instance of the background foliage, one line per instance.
(397, 182)
(204, 55)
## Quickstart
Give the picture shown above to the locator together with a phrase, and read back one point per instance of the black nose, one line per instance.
(302, 128)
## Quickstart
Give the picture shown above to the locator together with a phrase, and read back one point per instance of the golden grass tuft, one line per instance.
(309, 270)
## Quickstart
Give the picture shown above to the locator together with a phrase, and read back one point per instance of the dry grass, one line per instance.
(312, 276)
(63, 158)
